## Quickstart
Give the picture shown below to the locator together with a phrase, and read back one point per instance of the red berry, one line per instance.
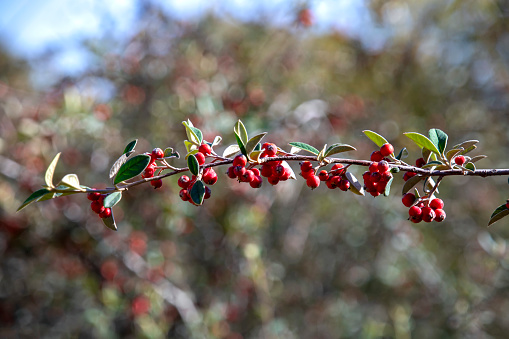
(279, 170)
(200, 157)
(308, 173)
(323, 175)
(239, 171)
(157, 153)
(208, 192)
(256, 171)
(256, 182)
(205, 149)
(93, 196)
(330, 184)
(374, 193)
(366, 176)
(231, 172)
(459, 160)
(383, 166)
(375, 177)
(240, 160)
(436, 204)
(416, 219)
(415, 211)
(266, 170)
(184, 194)
(507, 204)
(336, 179)
(408, 199)
(97, 206)
(428, 214)
(149, 172)
(439, 215)
(106, 213)
(273, 180)
(373, 167)
(248, 176)
(156, 183)
(183, 181)
(306, 166)
(387, 150)
(386, 176)
(313, 181)
(380, 187)
(420, 162)
(408, 175)
(376, 156)
(337, 168)
(344, 185)
(286, 175)
(209, 176)
(270, 149)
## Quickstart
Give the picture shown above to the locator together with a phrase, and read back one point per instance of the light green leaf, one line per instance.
(231, 150)
(255, 155)
(168, 153)
(304, 147)
(192, 163)
(376, 138)
(251, 144)
(422, 141)
(388, 187)
(469, 166)
(190, 146)
(191, 133)
(71, 180)
(498, 214)
(439, 139)
(193, 152)
(112, 199)
(355, 185)
(33, 197)
(48, 177)
(338, 148)
(240, 131)
(132, 167)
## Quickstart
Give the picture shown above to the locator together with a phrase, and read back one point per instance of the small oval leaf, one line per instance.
(241, 145)
(231, 150)
(411, 183)
(376, 138)
(132, 167)
(71, 180)
(470, 166)
(438, 138)
(469, 149)
(433, 163)
(498, 214)
(403, 154)
(355, 185)
(110, 222)
(190, 146)
(191, 134)
(48, 177)
(33, 197)
(130, 146)
(112, 199)
(240, 131)
(477, 158)
(452, 153)
(422, 141)
(217, 141)
(338, 148)
(198, 192)
(388, 187)
(466, 144)
(251, 144)
(304, 147)
(116, 166)
(193, 165)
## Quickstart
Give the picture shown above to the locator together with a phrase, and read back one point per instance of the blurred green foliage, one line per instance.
(279, 262)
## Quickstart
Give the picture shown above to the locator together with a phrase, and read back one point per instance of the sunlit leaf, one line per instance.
(112, 199)
(422, 141)
(403, 154)
(355, 185)
(468, 150)
(231, 150)
(240, 131)
(251, 144)
(190, 146)
(71, 180)
(466, 144)
(338, 148)
(48, 177)
(217, 141)
(304, 147)
(477, 158)
(132, 167)
(376, 138)
(191, 133)
(255, 155)
(116, 166)
(452, 153)
(438, 138)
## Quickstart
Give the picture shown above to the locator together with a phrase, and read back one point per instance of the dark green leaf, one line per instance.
(33, 197)
(198, 192)
(112, 199)
(251, 144)
(422, 141)
(193, 165)
(394, 170)
(498, 214)
(240, 131)
(470, 166)
(241, 145)
(130, 146)
(438, 138)
(426, 154)
(411, 183)
(402, 154)
(388, 187)
(258, 147)
(168, 153)
(110, 222)
(198, 133)
(376, 138)
(338, 148)
(304, 147)
(132, 167)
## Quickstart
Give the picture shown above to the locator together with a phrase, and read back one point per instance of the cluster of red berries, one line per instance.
(150, 170)
(334, 179)
(209, 176)
(239, 171)
(424, 210)
(378, 175)
(97, 204)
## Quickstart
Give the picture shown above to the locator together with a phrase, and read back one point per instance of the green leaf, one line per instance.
(255, 155)
(469, 166)
(241, 145)
(469, 149)
(198, 134)
(376, 138)
(428, 185)
(251, 144)
(438, 138)
(304, 147)
(433, 163)
(191, 153)
(258, 147)
(426, 154)
(498, 214)
(71, 180)
(402, 154)
(217, 141)
(452, 153)
(132, 167)
(33, 197)
(48, 177)
(388, 187)
(190, 146)
(338, 148)
(110, 222)
(193, 165)
(118, 163)
(191, 134)
(355, 185)
(231, 150)
(198, 192)
(422, 141)
(411, 183)
(394, 170)
(130, 146)
(168, 153)
(321, 155)
(240, 131)
(477, 158)
(466, 144)
(112, 199)
(49, 196)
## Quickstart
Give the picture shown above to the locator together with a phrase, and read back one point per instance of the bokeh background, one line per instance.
(86, 77)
